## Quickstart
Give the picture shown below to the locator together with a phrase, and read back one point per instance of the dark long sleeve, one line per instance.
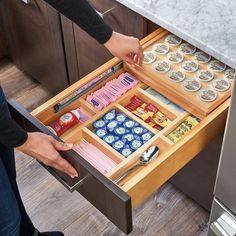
(11, 135)
(82, 14)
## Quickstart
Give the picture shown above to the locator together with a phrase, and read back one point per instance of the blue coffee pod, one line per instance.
(136, 144)
(112, 125)
(146, 136)
(127, 151)
(120, 117)
(119, 131)
(118, 145)
(109, 139)
(101, 133)
(137, 130)
(137, 137)
(109, 116)
(145, 130)
(129, 124)
(98, 124)
(128, 136)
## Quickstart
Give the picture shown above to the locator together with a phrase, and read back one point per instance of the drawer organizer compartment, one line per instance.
(135, 109)
(193, 79)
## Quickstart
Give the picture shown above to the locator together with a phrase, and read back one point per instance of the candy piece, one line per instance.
(128, 136)
(121, 118)
(119, 131)
(101, 133)
(135, 144)
(118, 145)
(146, 136)
(129, 124)
(98, 124)
(127, 151)
(137, 137)
(109, 139)
(109, 116)
(137, 130)
(112, 125)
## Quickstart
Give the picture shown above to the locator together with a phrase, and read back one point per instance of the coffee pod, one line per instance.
(190, 66)
(217, 66)
(221, 85)
(207, 95)
(229, 74)
(191, 85)
(149, 57)
(173, 40)
(205, 75)
(202, 57)
(160, 48)
(175, 57)
(161, 66)
(187, 48)
(176, 76)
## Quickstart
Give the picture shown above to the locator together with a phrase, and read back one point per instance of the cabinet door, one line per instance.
(3, 50)
(35, 42)
(87, 54)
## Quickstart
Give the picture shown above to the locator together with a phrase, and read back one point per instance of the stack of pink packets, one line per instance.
(95, 157)
(112, 90)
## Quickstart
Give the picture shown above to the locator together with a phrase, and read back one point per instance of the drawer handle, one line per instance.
(72, 188)
(107, 12)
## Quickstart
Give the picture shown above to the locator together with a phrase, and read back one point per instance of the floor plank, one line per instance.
(167, 212)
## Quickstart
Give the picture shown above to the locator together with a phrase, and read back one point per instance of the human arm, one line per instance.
(81, 13)
(12, 135)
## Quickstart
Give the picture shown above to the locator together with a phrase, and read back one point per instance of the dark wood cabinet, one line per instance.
(33, 34)
(55, 51)
(3, 49)
(83, 53)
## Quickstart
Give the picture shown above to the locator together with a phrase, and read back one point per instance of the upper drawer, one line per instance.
(114, 200)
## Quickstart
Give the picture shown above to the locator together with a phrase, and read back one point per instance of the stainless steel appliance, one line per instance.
(223, 213)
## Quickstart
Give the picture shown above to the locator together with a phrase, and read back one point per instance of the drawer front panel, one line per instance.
(91, 184)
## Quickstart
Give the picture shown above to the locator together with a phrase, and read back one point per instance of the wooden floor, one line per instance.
(168, 212)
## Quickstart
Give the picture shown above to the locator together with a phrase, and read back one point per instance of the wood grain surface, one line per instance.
(51, 207)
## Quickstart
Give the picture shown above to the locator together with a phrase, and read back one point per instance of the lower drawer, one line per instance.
(116, 201)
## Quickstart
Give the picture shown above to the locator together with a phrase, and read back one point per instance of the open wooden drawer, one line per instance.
(116, 201)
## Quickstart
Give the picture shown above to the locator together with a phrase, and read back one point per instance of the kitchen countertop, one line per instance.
(209, 25)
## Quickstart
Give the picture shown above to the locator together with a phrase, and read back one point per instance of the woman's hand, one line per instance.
(126, 48)
(44, 148)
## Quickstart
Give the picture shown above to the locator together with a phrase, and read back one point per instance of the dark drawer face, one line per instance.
(91, 184)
